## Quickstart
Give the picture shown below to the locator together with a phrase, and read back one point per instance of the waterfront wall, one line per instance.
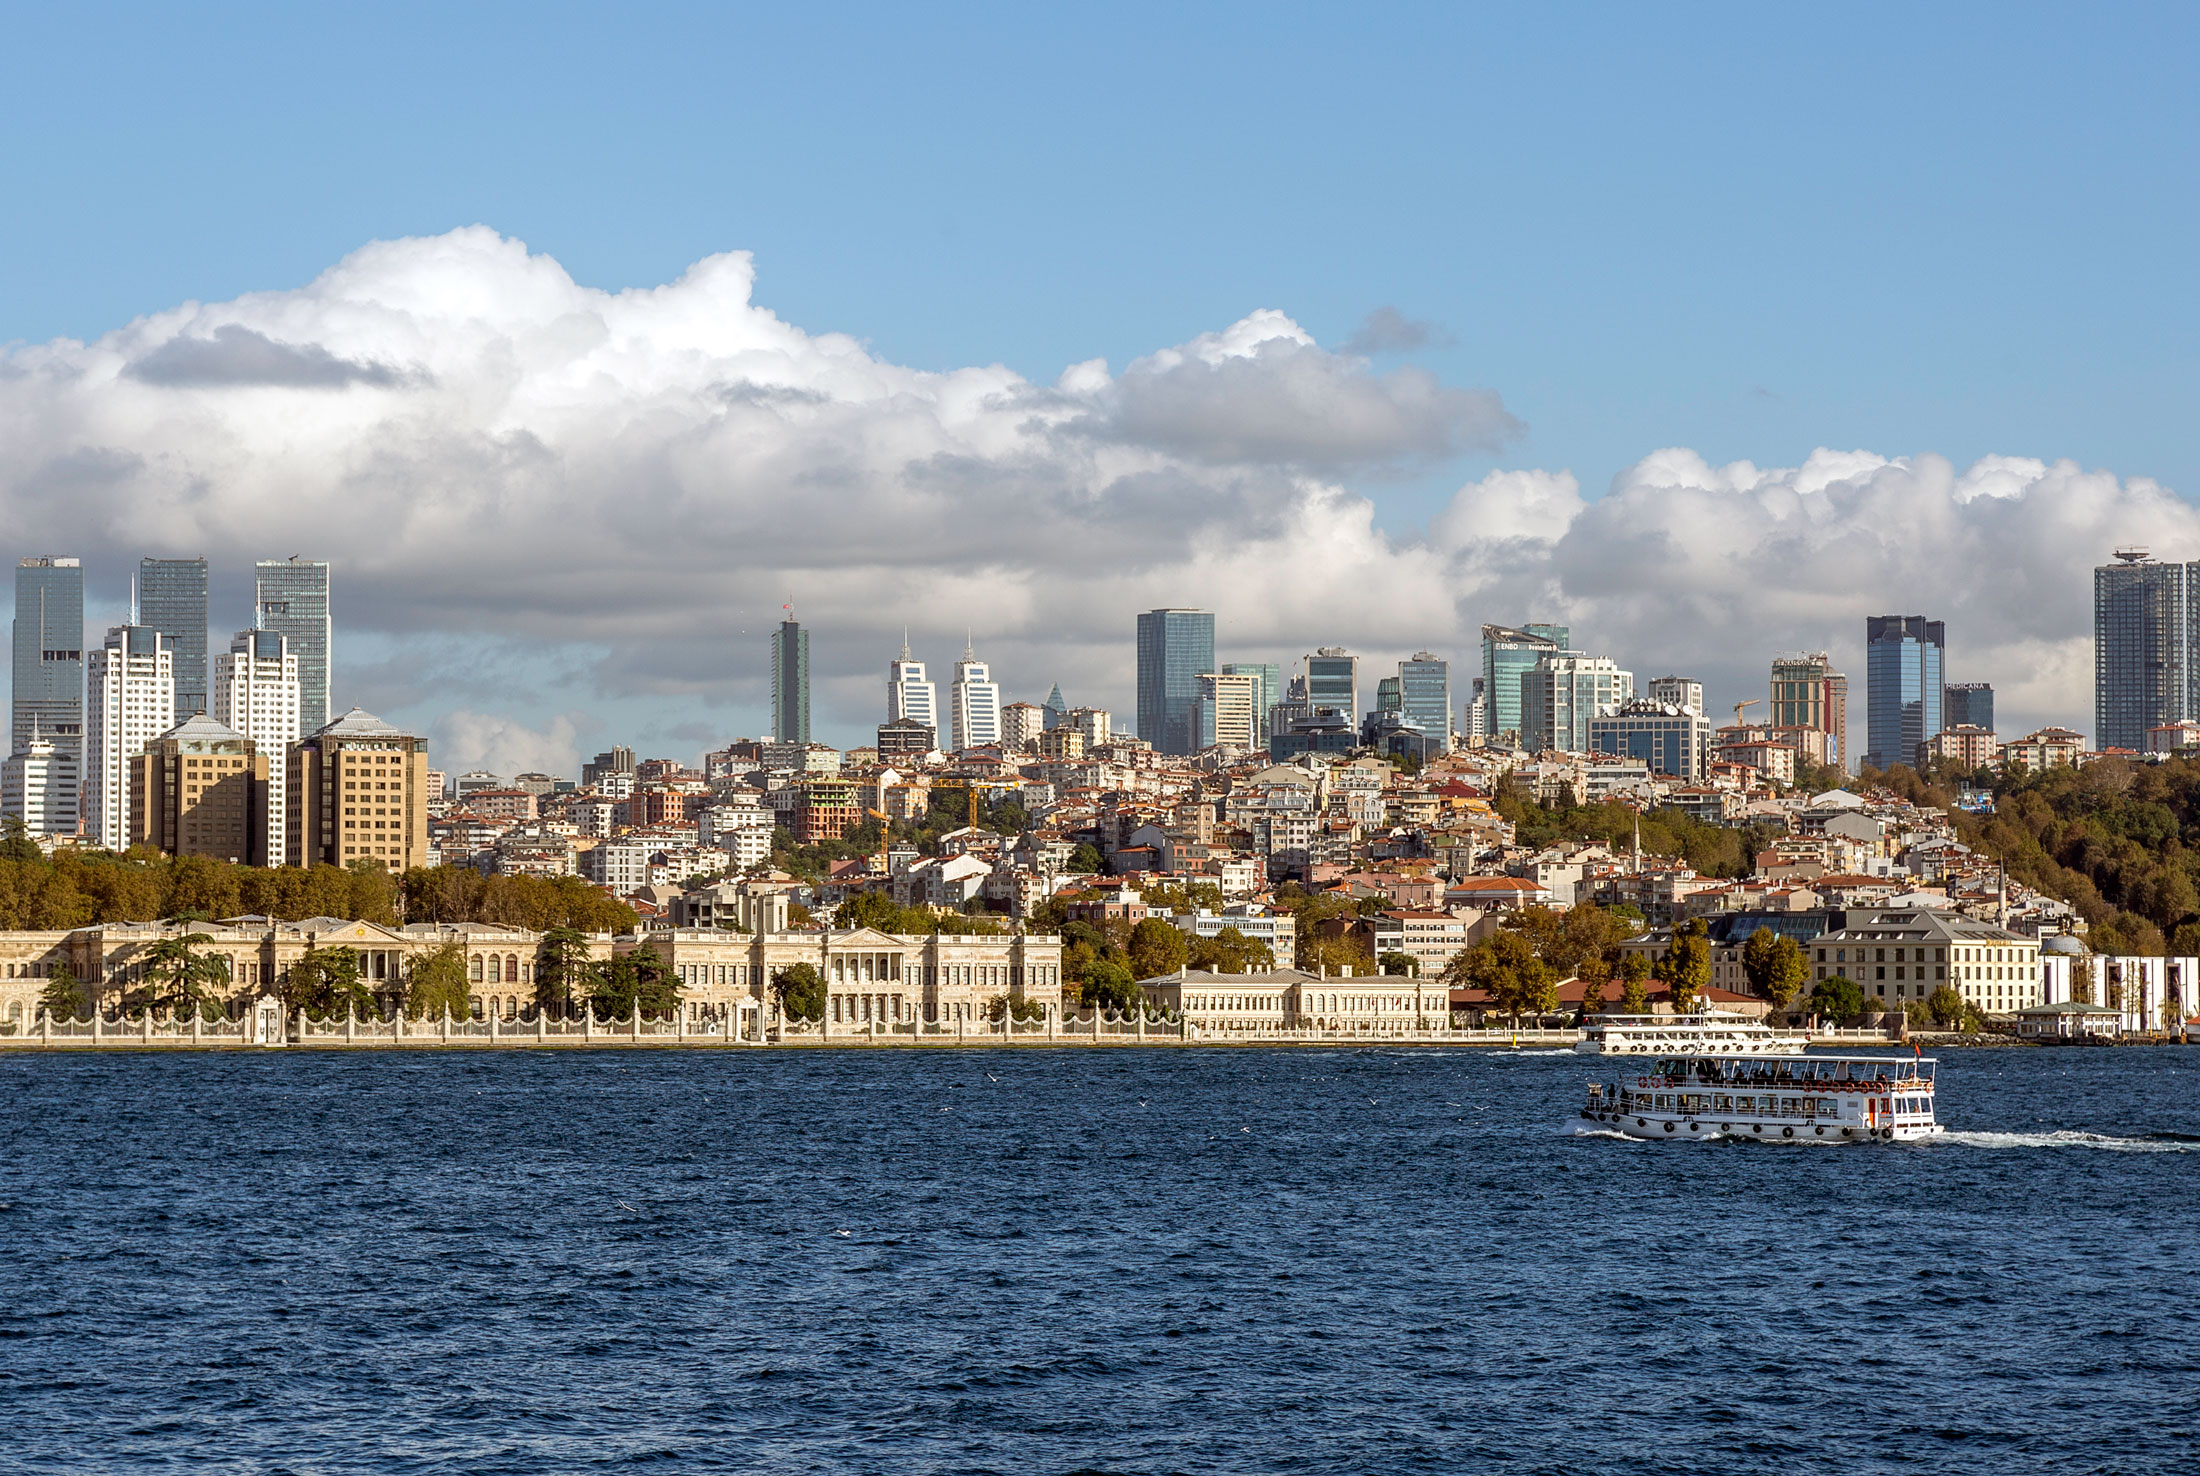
(270, 1027)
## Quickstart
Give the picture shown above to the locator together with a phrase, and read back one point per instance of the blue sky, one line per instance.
(1750, 231)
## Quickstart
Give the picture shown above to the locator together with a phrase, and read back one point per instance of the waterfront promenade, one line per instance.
(272, 1028)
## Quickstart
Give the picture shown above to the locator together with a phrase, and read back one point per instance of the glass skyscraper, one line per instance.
(1174, 648)
(293, 602)
(1972, 703)
(791, 683)
(1904, 661)
(172, 600)
(1507, 656)
(1333, 680)
(2143, 673)
(1424, 680)
(49, 653)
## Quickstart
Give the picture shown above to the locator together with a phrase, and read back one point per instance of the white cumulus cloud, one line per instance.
(525, 482)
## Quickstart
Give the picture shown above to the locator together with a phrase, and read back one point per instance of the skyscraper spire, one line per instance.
(970, 644)
(905, 643)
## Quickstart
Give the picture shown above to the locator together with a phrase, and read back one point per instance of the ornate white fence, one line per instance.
(268, 1025)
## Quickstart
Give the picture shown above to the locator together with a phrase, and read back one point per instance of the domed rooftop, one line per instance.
(2063, 943)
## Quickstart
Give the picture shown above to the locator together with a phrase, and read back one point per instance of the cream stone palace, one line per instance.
(723, 974)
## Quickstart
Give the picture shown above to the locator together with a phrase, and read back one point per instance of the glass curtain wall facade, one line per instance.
(1174, 648)
(49, 654)
(1808, 693)
(2142, 648)
(1508, 654)
(791, 683)
(172, 600)
(1333, 680)
(1424, 681)
(293, 602)
(1904, 659)
(1972, 703)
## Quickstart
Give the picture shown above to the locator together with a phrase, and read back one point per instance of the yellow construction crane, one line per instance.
(1752, 702)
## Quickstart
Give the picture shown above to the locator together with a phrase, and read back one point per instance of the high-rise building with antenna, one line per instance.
(791, 681)
(977, 702)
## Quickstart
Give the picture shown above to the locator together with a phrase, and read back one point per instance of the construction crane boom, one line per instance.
(1752, 702)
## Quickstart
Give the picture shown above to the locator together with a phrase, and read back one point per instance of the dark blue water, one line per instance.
(1075, 1260)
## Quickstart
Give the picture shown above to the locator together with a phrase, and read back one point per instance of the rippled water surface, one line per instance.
(1129, 1260)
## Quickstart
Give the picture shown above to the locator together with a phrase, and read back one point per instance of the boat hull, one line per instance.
(1668, 1128)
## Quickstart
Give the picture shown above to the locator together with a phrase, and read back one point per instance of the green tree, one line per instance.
(16, 844)
(562, 968)
(180, 972)
(800, 989)
(1398, 963)
(1838, 998)
(1230, 952)
(438, 983)
(1634, 974)
(1775, 966)
(1086, 861)
(640, 980)
(1505, 966)
(63, 995)
(324, 982)
(1686, 968)
(1108, 985)
(1946, 1007)
(1593, 995)
(1157, 948)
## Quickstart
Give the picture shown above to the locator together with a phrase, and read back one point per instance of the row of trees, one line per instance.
(75, 889)
(1522, 964)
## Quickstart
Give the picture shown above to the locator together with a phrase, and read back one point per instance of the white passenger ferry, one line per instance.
(1818, 1099)
(1704, 1033)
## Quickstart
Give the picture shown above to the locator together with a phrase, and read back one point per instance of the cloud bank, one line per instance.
(623, 487)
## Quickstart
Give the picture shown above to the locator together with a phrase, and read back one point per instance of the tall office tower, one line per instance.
(1477, 717)
(1333, 680)
(257, 694)
(49, 654)
(977, 702)
(200, 789)
(1271, 692)
(1056, 708)
(1424, 680)
(1174, 647)
(1508, 654)
(1562, 693)
(1674, 691)
(1229, 710)
(791, 683)
(39, 784)
(131, 701)
(172, 600)
(1809, 695)
(2144, 674)
(909, 697)
(358, 791)
(294, 603)
(1390, 695)
(1969, 702)
(1904, 656)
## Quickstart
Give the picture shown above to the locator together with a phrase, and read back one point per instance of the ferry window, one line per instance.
(1787, 1104)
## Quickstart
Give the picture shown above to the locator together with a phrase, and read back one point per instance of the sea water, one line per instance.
(1361, 1260)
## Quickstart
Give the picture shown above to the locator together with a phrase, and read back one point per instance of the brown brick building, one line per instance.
(359, 792)
(200, 789)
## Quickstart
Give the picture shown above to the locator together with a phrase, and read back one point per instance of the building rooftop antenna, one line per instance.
(2133, 553)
